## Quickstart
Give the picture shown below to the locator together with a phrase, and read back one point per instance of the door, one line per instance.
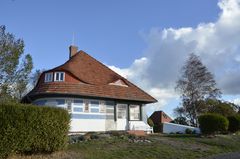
(122, 117)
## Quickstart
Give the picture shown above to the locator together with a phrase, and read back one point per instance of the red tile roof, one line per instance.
(95, 78)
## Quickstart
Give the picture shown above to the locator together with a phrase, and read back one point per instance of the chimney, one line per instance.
(72, 50)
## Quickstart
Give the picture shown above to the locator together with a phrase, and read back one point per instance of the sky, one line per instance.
(145, 41)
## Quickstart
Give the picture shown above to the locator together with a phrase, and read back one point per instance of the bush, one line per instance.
(32, 129)
(150, 122)
(234, 123)
(213, 123)
(194, 132)
(188, 131)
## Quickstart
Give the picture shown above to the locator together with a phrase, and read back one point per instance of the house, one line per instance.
(97, 98)
(159, 117)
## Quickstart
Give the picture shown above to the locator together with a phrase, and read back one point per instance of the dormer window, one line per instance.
(48, 77)
(119, 82)
(59, 76)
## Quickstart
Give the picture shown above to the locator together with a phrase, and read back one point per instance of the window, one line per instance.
(109, 107)
(119, 83)
(48, 77)
(122, 111)
(40, 102)
(76, 109)
(59, 76)
(94, 106)
(51, 102)
(78, 106)
(60, 101)
(134, 112)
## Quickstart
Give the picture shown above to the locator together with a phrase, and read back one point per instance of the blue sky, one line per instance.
(108, 30)
(145, 41)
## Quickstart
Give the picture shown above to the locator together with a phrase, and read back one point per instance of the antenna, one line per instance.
(73, 38)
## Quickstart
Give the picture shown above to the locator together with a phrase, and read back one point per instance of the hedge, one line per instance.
(32, 129)
(234, 123)
(213, 123)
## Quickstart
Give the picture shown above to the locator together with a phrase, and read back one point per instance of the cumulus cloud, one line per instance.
(237, 101)
(217, 43)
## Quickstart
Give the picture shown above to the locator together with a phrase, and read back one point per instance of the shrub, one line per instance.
(188, 131)
(150, 122)
(194, 132)
(32, 129)
(234, 123)
(213, 123)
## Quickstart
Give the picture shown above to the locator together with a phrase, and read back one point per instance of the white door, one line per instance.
(122, 117)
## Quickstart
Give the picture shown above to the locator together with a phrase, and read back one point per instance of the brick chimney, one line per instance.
(72, 50)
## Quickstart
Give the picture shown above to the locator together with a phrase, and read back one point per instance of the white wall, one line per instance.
(174, 128)
(139, 125)
(85, 125)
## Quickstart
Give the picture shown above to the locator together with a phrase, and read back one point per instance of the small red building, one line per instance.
(159, 117)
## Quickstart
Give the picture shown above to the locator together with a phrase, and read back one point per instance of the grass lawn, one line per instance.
(153, 147)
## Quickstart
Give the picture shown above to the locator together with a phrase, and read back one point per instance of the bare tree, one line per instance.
(35, 76)
(196, 84)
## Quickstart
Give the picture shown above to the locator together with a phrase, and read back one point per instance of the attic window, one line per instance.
(59, 76)
(119, 82)
(48, 77)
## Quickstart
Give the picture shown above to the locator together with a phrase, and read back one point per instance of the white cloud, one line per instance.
(217, 43)
(236, 101)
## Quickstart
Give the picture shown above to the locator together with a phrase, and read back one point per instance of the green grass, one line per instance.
(161, 146)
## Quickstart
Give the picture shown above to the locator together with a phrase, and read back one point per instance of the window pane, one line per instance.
(48, 77)
(110, 103)
(134, 112)
(122, 111)
(95, 103)
(57, 76)
(94, 110)
(78, 102)
(61, 77)
(76, 109)
(40, 102)
(60, 101)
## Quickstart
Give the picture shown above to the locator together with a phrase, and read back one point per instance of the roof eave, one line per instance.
(34, 96)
